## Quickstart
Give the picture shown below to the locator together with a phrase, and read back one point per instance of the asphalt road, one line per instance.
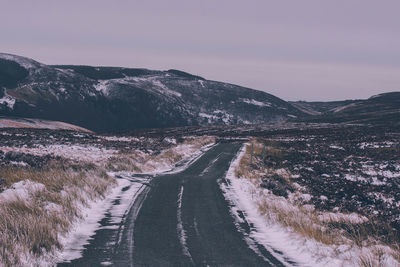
(182, 219)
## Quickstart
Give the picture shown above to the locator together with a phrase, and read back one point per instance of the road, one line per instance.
(182, 219)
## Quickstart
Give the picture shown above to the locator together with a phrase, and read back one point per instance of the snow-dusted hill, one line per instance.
(382, 108)
(118, 99)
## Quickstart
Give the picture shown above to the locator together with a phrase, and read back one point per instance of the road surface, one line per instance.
(181, 219)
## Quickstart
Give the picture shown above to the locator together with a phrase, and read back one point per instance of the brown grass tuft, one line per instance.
(136, 161)
(31, 225)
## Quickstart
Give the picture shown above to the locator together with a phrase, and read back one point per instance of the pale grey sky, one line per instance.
(296, 50)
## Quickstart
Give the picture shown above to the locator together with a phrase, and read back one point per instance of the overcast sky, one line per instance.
(296, 50)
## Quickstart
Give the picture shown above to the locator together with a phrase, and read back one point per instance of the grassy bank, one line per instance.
(43, 188)
(357, 238)
(39, 205)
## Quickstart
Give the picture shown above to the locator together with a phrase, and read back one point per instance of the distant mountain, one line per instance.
(318, 108)
(119, 99)
(382, 108)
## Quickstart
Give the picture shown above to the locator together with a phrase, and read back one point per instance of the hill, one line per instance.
(107, 99)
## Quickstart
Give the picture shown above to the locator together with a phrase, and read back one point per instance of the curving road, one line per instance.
(183, 219)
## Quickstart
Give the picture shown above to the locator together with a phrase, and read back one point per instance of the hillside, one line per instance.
(318, 108)
(118, 99)
(381, 109)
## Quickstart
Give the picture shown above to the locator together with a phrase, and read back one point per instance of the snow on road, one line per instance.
(245, 197)
(124, 194)
(273, 237)
(82, 230)
(180, 230)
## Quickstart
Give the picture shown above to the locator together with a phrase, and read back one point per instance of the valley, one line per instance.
(130, 166)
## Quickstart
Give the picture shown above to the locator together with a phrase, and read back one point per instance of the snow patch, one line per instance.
(170, 140)
(335, 110)
(256, 103)
(8, 100)
(201, 83)
(179, 227)
(82, 230)
(103, 87)
(218, 115)
(120, 138)
(336, 147)
(365, 145)
(159, 84)
(23, 61)
(353, 218)
(21, 191)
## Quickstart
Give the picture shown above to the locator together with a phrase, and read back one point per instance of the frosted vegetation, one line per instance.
(321, 196)
(312, 227)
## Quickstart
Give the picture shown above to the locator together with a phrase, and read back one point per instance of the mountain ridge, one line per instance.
(382, 108)
(119, 99)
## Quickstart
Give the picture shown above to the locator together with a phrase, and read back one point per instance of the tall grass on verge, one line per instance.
(138, 161)
(31, 220)
(39, 206)
(303, 219)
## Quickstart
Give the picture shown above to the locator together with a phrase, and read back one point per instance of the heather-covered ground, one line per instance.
(347, 170)
(338, 188)
(328, 193)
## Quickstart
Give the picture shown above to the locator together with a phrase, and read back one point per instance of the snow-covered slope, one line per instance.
(382, 108)
(118, 99)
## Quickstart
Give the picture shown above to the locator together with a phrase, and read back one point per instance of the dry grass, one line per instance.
(126, 161)
(252, 172)
(30, 225)
(199, 141)
(244, 169)
(378, 258)
(305, 220)
(137, 161)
